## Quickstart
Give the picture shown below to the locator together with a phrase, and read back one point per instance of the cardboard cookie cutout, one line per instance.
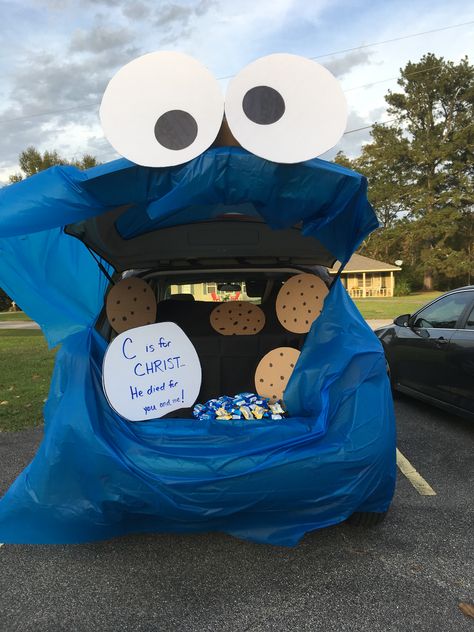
(273, 372)
(150, 371)
(237, 318)
(162, 109)
(130, 303)
(300, 301)
(286, 108)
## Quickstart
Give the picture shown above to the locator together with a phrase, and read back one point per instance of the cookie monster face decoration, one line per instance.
(165, 108)
(211, 190)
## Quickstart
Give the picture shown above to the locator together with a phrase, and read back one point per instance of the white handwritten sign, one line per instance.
(150, 371)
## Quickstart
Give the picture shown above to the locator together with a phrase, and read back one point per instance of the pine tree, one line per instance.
(421, 170)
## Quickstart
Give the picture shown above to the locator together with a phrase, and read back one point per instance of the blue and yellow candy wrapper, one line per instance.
(243, 406)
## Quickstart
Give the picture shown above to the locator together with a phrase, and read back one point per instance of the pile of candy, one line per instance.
(242, 406)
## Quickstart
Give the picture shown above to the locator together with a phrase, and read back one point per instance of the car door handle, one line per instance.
(441, 341)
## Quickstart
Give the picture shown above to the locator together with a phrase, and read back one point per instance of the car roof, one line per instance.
(464, 288)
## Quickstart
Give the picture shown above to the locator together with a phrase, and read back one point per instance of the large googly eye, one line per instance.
(286, 108)
(162, 109)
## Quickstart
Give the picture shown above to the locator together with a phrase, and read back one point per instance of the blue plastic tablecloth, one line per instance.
(96, 475)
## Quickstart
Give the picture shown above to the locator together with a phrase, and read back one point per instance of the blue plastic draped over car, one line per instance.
(97, 475)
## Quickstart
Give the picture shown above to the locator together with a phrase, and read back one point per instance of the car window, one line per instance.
(214, 291)
(470, 320)
(444, 313)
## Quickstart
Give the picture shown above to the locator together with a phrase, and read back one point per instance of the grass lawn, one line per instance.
(25, 371)
(385, 308)
(13, 316)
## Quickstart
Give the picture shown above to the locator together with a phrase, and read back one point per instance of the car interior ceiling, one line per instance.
(231, 239)
(228, 362)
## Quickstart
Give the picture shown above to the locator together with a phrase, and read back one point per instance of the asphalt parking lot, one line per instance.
(410, 573)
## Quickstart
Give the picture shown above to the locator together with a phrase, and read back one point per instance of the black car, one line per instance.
(430, 354)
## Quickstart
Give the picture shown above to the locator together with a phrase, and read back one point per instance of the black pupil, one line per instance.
(263, 105)
(176, 129)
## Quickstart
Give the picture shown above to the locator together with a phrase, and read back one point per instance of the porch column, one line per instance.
(392, 283)
(363, 285)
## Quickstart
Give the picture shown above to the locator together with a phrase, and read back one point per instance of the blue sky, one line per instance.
(58, 55)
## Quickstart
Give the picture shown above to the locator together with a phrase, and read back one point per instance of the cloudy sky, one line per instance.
(56, 56)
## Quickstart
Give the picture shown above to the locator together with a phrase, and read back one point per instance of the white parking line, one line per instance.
(418, 482)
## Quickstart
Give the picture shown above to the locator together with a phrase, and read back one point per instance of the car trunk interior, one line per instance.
(229, 362)
(227, 249)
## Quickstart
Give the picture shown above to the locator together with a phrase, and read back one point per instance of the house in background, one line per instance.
(363, 277)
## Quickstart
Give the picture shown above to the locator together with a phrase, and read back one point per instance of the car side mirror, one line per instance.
(403, 320)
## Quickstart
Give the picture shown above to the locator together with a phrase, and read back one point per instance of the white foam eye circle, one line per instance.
(286, 108)
(162, 109)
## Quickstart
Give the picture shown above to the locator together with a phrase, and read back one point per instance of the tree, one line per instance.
(384, 162)
(421, 170)
(31, 161)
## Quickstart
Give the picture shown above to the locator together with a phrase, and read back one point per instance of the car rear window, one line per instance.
(216, 291)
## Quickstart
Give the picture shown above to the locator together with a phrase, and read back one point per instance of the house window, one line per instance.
(210, 288)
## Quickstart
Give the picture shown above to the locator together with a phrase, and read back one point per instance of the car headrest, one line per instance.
(182, 297)
(255, 287)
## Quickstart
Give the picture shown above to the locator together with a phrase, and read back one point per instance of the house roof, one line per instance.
(359, 263)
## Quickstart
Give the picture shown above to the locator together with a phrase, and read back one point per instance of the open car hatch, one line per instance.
(232, 239)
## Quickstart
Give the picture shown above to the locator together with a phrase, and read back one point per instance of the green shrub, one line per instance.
(402, 287)
(5, 302)
(408, 280)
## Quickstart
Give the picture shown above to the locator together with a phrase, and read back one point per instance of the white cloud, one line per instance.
(99, 39)
(341, 66)
(136, 10)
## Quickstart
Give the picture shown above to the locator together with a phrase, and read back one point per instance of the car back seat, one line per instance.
(228, 362)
